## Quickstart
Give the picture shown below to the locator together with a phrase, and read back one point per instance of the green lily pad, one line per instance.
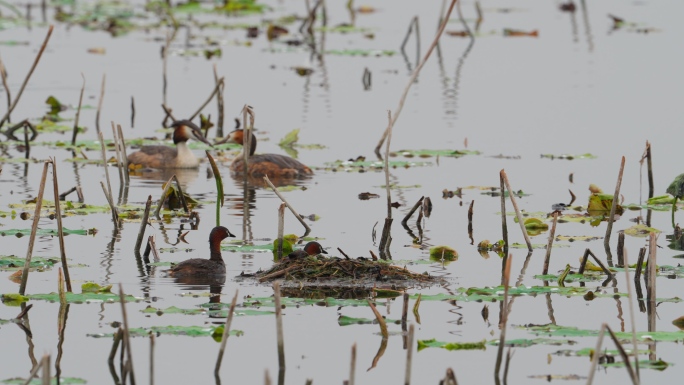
(44, 232)
(623, 337)
(201, 311)
(371, 165)
(191, 331)
(12, 262)
(432, 343)
(431, 153)
(13, 299)
(92, 287)
(640, 231)
(83, 297)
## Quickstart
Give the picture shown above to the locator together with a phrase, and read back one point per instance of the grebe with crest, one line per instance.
(167, 157)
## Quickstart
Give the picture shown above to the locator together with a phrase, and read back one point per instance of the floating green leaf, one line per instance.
(640, 230)
(290, 138)
(44, 232)
(13, 299)
(431, 153)
(83, 297)
(569, 157)
(371, 165)
(623, 337)
(343, 320)
(432, 343)
(361, 52)
(12, 262)
(92, 287)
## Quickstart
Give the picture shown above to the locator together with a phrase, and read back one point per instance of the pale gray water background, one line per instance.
(591, 91)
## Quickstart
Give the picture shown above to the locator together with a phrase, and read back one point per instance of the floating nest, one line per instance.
(343, 272)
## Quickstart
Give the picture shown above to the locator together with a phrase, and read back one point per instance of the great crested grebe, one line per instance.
(271, 165)
(168, 157)
(311, 248)
(205, 267)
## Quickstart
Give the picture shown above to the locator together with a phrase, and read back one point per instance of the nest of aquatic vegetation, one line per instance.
(335, 271)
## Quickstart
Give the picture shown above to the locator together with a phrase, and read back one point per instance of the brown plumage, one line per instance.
(271, 165)
(201, 266)
(168, 157)
(311, 248)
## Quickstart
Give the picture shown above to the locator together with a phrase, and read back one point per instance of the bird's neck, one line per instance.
(215, 249)
(184, 156)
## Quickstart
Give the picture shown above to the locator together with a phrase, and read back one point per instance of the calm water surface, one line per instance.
(579, 87)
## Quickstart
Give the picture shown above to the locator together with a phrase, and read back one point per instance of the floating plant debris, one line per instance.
(569, 157)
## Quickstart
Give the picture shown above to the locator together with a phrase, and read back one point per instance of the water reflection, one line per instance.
(186, 176)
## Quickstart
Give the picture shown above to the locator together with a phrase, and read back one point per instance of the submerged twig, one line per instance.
(410, 213)
(28, 76)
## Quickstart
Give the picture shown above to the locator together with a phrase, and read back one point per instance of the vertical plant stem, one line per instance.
(504, 317)
(621, 249)
(34, 228)
(279, 326)
(281, 229)
(127, 335)
(163, 197)
(511, 195)
(597, 353)
(115, 214)
(78, 113)
(118, 336)
(409, 355)
(247, 138)
(226, 334)
(60, 231)
(549, 245)
(143, 224)
(219, 102)
(649, 165)
(352, 368)
(104, 160)
(632, 321)
(504, 225)
(124, 156)
(152, 358)
(378, 317)
(299, 217)
(3, 74)
(28, 76)
(117, 151)
(46, 369)
(414, 75)
(387, 227)
(34, 372)
(609, 228)
(99, 105)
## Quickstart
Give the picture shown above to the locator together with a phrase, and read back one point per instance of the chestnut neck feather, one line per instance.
(215, 248)
(253, 142)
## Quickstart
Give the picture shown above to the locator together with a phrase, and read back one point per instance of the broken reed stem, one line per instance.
(381, 321)
(410, 213)
(416, 305)
(78, 112)
(621, 249)
(34, 372)
(109, 184)
(34, 228)
(247, 139)
(99, 104)
(216, 89)
(143, 224)
(281, 229)
(299, 218)
(639, 265)
(118, 336)
(117, 151)
(151, 358)
(151, 244)
(414, 22)
(23, 312)
(279, 326)
(623, 354)
(504, 317)
(635, 351)
(409, 355)
(124, 156)
(609, 228)
(127, 336)
(132, 112)
(60, 287)
(219, 102)
(414, 76)
(504, 225)
(60, 229)
(28, 76)
(115, 215)
(465, 25)
(549, 245)
(3, 74)
(583, 264)
(226, 334)
(46, 363)
(649, 165)
(404, 312)
(511, 195)
(651, 268)
(386, 165)
(352, 368)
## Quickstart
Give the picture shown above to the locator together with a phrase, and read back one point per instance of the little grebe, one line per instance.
(271, 165)
(311, 248)
(203, 267)
(167, 157)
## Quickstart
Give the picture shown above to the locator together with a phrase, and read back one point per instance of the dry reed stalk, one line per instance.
(415, 308)
(34, 228)
(413, 209)
(267, 378)
(118, 337)
(281, 229)
(381, 321)
(385, 240)
(60, 229)
(504, 317)
(99, 104)
(226, 334)
(509, 355)
(651, 268)
(352, 366)
(219, 102)
(449, 378)
(127, 336)
(414, 75)
(151, 358)
(511, 195)
(404, 312)
(109, 184)
(504, 225)
(60, 287)
(621, 249)
(28, 76)
(117, 151)
(34, 372)
(3, 74)
(24, 312)
(549, 245)
(649, 165)
(413, 25)
(124, 156)
(247, 138)
(132, 112)
(409, 355)
(279, 326)
(639, 265)
(165, 193)
(585, 258)
(211, 96)
(623, 354)
(46, 369)
(632, 320)
(78, 112)
(299, 217)
(115, 214)
(609, 228)
(597, 353)
(143, 225)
